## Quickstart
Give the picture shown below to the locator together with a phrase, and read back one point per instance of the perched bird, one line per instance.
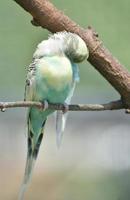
(51, 78)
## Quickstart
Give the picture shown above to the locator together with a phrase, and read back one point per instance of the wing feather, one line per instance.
(30, 81)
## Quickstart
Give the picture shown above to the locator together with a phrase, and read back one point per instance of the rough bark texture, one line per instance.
(46, 15)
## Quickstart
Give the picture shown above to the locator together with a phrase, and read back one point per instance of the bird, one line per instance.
(51, 78)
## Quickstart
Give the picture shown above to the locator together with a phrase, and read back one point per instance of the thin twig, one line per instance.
(115, 105)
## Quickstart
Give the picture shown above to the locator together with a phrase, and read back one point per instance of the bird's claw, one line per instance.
(65, 108)
(3, 109)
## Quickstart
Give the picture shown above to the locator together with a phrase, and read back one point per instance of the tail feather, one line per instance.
(33, 149)
(62, 117)
(60, 126)
(27, 176)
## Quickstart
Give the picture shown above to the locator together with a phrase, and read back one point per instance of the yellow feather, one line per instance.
(57, 71)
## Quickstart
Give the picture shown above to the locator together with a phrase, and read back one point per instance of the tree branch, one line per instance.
(115, 105)
(47, 16)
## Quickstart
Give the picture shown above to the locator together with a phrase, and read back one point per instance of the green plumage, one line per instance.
(51, 77)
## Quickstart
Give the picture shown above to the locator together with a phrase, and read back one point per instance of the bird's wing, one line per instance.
(30, 82)
(34, 142)
(34, 139)
(60, 116)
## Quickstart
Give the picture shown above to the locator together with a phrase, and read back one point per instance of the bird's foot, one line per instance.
(65, 108)
(45, 105)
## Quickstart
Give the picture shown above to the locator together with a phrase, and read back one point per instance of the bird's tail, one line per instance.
(27, 176)
(60, 126)
(62, 117)
(33, 149)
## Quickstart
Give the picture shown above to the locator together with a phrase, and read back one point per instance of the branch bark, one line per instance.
(46, 15)
(115, 105)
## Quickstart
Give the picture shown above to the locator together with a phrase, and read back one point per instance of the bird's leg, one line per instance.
(45, 105)
(65, 108)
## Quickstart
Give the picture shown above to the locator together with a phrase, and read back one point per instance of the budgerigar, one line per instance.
(51, 77)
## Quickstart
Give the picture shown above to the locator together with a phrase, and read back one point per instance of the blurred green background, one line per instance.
(94, 160)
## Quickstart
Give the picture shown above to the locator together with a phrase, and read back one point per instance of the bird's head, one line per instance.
(63, 43)
(72, 45)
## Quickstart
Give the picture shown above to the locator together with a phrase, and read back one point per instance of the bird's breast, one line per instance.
(54, 77)
(55, 71)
